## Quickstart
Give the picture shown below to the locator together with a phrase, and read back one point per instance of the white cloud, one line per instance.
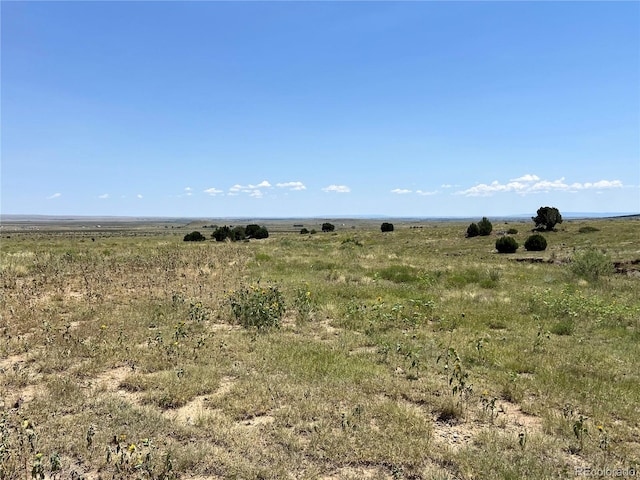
(292, 185)
(213, 191)
(528, 184)
(337, 189)
(55, 195)
(139, 195)
(400, 191)
(104, 196)
(526, 178)
(423, 193)
(252, 190)
(187, 189)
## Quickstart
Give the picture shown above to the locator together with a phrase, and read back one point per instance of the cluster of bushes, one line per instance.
(508, 244)
(304, 231)
(482, 228)
(234, 234)
(240, 233)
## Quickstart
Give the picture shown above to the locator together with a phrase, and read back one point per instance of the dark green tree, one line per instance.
(535, 243)
(194, 237)
(262, 232)
(386, 227)
(484, 226)
(254, 230)
(237, 233)
(221, 233)
(328, 227)
(473, 230)
(547, 218)
(506, 244)
(304, 231)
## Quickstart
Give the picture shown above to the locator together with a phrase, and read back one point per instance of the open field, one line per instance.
(412, 354)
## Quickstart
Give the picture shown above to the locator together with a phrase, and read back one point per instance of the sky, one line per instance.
(307, 109)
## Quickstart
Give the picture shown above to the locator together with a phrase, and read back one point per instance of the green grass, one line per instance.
(421, 354)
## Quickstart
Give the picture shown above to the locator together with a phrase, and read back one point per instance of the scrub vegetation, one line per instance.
(132, 354)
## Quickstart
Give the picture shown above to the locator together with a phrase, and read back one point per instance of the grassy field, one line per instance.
(413, 354)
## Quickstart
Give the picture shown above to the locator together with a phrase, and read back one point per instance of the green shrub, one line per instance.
(473, 230)
(304, 231)
(194, 237)
(512, 231)
(588, 229)
(221, 233)
(386, 227)
(328, 227)
(259, 307)
(399, 274)
(566, 326)
(237, 233)
(535, 243)
(506, 244)
(256, 231)
(485, 226)
(591, 264)
(486, 279)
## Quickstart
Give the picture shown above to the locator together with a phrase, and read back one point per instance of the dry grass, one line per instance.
(415, 354)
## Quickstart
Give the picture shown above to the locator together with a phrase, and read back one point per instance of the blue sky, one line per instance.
(275, 109)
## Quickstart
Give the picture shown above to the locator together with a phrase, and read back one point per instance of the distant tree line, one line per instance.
(238, 233)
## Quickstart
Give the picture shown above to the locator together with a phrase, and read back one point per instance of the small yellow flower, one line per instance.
(485, 392)
(600, 428)
(122, 437)
(308, 294)
(379, 299)
(103, 327)
(132, 447)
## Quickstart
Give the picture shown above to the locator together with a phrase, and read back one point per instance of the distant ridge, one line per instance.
(133, 219)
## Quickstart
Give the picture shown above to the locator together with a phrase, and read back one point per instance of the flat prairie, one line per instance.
(127, 353)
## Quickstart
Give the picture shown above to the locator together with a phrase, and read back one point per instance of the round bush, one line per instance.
(512, 231)
(473, 230)
(535, 243)
(194, 237)
(506, 245)
(386, 227)
(485, 226)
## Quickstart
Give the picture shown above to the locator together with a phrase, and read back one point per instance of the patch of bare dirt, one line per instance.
(363, 350)
(110, 381)
(12, 362)
(257, 421)
(356, 473)
(507, 417)
(189, 413)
